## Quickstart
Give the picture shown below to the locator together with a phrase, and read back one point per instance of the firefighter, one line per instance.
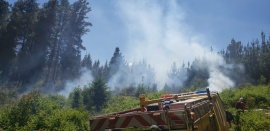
(240, 104)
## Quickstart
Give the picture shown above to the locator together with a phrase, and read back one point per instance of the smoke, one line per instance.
(132, 74)
(157, 32)
(218, 70)
(158, 35)
(84, 79)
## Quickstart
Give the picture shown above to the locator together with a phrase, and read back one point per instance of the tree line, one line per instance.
(41, 46)
(254, 56)
(248, 63)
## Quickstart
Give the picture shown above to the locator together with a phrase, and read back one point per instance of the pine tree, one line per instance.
(177, 77)
(7, 52)
(42, 39)
(23, 17)
(173, 73)
(4, 15)
(57, 42)
(234, 52)
(87, 94)
(106, 72)
(76, 98)
(141, 89)
(254, 60)
(97, 70)
(268, 62)
(87, 62)
(100, 93)
(264, 58)
(116, 61)
(197, 74)
(77, 26)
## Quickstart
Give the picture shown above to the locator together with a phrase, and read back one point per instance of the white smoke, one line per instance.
(157, 32)
(83, 80)
(133, 74)
(218, 79)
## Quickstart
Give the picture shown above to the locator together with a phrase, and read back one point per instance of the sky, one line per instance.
(126, 23)
(123, 23)
(166, 31)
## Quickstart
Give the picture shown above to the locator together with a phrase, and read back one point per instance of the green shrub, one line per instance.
(67, 119)
(36, 112)
(154, 95)
(254, 96)
(121, 103)
(254, 121)
(7, 96)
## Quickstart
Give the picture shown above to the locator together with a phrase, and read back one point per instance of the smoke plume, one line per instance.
(83, 80)
(157, 32)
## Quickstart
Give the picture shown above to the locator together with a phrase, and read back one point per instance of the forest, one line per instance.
(40, 51)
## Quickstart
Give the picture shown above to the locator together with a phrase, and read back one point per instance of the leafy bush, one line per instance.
(254, 96)
(58, 99)
(36, 112)
(76, 98)
(255, 121)
(66, 119)
(154, 95)
(7, 96)
(121, 103)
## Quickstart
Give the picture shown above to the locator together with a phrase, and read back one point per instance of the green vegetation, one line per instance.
(35, 112)
(121, 103)
(255, 120)
(124, 102)
(257, 99)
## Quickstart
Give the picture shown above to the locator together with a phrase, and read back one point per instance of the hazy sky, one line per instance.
(124, 23)
(167, 31)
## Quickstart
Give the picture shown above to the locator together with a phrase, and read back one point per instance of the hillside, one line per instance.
(34, 111)
(257, 99)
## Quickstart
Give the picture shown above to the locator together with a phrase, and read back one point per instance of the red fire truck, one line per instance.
(200, 111)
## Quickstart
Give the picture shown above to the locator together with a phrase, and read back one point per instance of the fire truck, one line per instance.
(193, 111)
